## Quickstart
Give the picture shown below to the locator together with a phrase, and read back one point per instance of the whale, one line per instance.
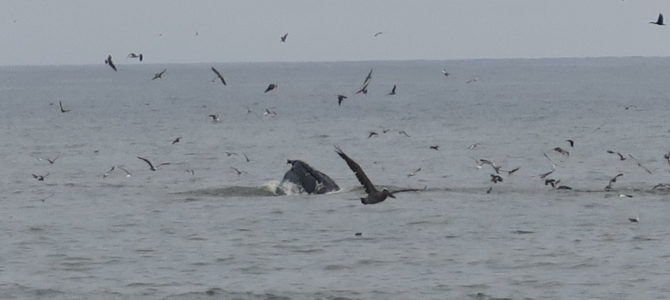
(302, 178)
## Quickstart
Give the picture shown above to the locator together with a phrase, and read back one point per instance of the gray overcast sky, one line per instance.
(37, 32)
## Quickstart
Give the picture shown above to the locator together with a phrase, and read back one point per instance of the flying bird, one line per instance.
(658, 21)
(159, 74)
(270, 87)
(151, 166)
(445, 73)
(133, 55)
(372, 133)
(435, 147)
(177, 140)
(373, 195)
(340, 99)
(219, 75)
(368, 78)
(61, 107)
(283, 38)
(392, 90)
(237, 171)
(40, 177)
(612, 180)
(215, 118)
(378, 33)
(571, 142)
(621, 157)
(363, 89)
(109, 62)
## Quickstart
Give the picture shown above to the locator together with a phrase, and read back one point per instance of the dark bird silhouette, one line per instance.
(445, 73)
(372, 133)
(63, 110)
(512, 171)
(237, 171)
(571, 142)
(177, 140)
(667, 157)
(612, 180)
(621, 157)
(552, 182)
(544, 175)
(368, 78)
(493, 165)
(219, 75)
(159, 74)
(270, 87)
(435, 147)
(373, 195)
(496, 178)
(109, 62)
(246, 157)
(283, 38)
(392, 90)
(340, 98)
(40, 177)
(562, 151)
(378, 33)
(658, 21)
(50, 160)
(269, 112)
(563, 187)
(634, 220)
(639, 164)
(363, 89)
(151, 166)
(133, 55)
(403, 133)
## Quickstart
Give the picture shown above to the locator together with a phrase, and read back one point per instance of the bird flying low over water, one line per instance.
(151, 166)
(61, 107)
(283, 37)
(159, 74)
(340, 98)
(219, 75)
(373, 195)
(378, 33)
(658, 21)
(109, 62)
(392, 90)
(133, 55)
(270, 87)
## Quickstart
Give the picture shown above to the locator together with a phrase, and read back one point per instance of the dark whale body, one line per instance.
(306, 179)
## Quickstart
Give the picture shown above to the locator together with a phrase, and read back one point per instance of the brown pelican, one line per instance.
(133, 55)
(61, 107)
(270, 87)
(159, 74)
(151, 166)
(659, 21)
(219, 75)
(110, 63)
(373, 195)
(340, 98)
(283, 38)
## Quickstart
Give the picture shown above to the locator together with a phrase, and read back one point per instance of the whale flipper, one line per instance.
(306, 179)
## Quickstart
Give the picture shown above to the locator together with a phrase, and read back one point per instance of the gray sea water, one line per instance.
(195, 229)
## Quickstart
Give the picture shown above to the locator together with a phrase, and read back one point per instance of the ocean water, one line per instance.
(195, 229)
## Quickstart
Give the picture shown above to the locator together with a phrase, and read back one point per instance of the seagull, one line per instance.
(133, 55)
(110, 63)
(283, 38)
(229, 154)
(621, 157)
(552, 182)
(435, 147)
(392, 90)
(270, 87)
(659, 21)
(496, 178)
(340, 98)
(50, 160)
(378, 33)
(363, 89)
(482, 162)
(373, 195)
(151, 166)
(562, 151)
(372, 133)
(61, 107)
(113, 168)
(571, 142)
(40, 177)
(635, 220)
(613, 180)
(215, 118)
(368, 78)
(176, 140)
(159, 75)
(445, 73)
(219, 75)
(237, 171)
(510, 172)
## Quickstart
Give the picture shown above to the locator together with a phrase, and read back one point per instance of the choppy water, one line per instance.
(195, 229)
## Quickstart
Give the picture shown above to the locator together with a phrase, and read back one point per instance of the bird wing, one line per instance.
(367, 78)
(358, 171)
(219, 75)
(660, 19)
(151, 166)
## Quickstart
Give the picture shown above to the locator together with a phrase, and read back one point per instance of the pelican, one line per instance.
(373, 195)
(219, 75)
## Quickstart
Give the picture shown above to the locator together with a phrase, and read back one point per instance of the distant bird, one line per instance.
(219, 75)
(159, 74)
(392, 90)
(634, 220)
(151, 166)
(621, 157)
(114, 168)
(435, 147)
(133, 55)
(229, 154)
(372, 133)
(378, 33)
(471, 80)
(270, 87)
(571, 142)
(496, 178)
(512, 171)
(363, 89)
(215, 118)
(50, 160)
(658, 21)
(246, 157)
(552, 182)
(269, 112)
(563, 187)
(562, 151)
(109, 62)
(544, 175)
(40, 177)
(639, 164)
(176, 140)
(445, 73)
(63, 110)
(283, 38)
(493, 165)
(340, 98)
(403, 133)
(625, 196)
(667, 157)
(488, 191)
(373, 195)
(237, 171)
(612, 180)
(368, 78)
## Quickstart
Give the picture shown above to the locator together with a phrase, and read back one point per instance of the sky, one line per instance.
(47, 32)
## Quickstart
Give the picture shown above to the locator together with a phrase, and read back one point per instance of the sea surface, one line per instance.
(196, 229)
